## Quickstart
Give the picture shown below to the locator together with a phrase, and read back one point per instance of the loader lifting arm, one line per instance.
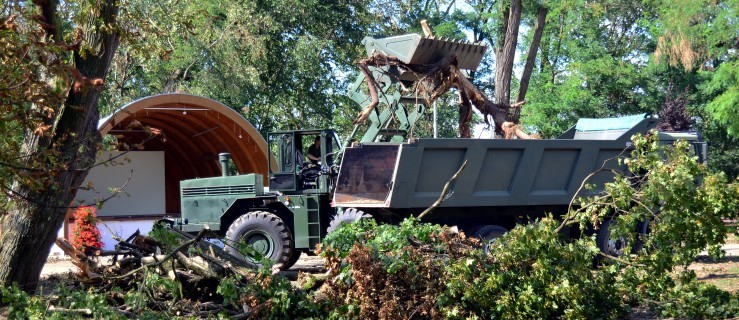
(408, 71)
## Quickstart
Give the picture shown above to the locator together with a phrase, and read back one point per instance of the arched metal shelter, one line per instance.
(195, 131)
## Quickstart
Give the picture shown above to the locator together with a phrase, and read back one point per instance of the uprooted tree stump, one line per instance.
(434, 81)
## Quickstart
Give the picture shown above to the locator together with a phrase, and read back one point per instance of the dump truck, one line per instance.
(387, 175)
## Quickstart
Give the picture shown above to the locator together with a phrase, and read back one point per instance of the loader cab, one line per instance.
(294, 170)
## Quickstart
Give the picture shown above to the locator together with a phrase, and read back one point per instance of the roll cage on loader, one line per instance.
(387, 176)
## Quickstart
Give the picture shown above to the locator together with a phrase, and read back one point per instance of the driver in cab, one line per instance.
(314, 151)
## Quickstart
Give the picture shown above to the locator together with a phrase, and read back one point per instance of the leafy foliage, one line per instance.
(684, 205)
(267, 296)
(724, 85)
(19, 303)
(674, 113)
(724, 156)
(281, 64)
(34, 83)
(532, 272)
(385, 271)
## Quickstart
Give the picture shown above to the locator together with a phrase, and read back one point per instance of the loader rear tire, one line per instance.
(346, 216)
(267, 235)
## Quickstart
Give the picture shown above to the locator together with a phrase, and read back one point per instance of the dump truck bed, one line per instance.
(498, 173)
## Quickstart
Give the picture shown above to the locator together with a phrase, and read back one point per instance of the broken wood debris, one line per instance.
(196, 264)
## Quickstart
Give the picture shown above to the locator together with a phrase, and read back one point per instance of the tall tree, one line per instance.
(703, 35)
(281, 63)
(58, 149)
(505, 51)
(528, 68)
(595, 62)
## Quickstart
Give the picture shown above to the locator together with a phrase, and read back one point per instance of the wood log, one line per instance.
(79, 312)
(153, 259)
(147, 244)
(185, 277)
(107, 253)
(200, 268)
(128, 262)
(308, 281)
(241, 266)
(223, 265)
(86, 266)
(513, 130)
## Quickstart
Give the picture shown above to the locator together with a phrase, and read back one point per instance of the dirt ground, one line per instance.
(724, 273)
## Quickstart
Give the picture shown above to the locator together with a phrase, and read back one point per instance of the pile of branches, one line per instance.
(184, 281)
(399, 277)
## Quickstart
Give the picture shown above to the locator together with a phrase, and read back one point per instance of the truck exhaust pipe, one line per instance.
(223, 158)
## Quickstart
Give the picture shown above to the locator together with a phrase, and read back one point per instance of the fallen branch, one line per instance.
(372, 85)
(196, 267)
(513, 130)
(183, 246)
(79, 259)
(444, 192)
(240, 266)
(107, 253)
(619, 260)
(83, 312)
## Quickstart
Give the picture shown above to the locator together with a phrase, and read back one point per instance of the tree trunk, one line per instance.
(31, 225)
(541, 19)
(465, 115)
(506, 54)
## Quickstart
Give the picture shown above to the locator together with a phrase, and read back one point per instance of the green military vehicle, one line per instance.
(386, 176)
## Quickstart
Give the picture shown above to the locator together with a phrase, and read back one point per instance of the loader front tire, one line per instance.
(260, 234)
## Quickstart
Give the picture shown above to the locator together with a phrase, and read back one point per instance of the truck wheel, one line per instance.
(615, 246)
(267, 235)
(487, 234)
(349, 215)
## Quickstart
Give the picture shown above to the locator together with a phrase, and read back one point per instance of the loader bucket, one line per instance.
(415, 49)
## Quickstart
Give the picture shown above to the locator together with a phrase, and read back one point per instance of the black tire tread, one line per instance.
(285, 239)
(293, 260)
(485, 230)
